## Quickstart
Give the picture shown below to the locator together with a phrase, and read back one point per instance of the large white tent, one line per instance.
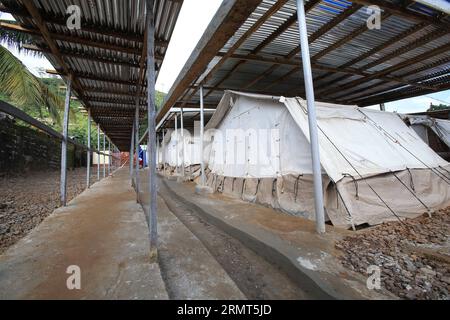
(375, 168)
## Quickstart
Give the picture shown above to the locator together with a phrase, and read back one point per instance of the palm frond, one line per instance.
(17, 39)
(24, 88)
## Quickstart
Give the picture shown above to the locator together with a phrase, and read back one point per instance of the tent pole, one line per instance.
(182, 144)
(307, 74)
(98, 152)
(88, 165)
(202, 124)
(63, 185)
(151, 109)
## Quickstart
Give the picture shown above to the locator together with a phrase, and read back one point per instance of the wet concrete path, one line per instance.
(103, 232)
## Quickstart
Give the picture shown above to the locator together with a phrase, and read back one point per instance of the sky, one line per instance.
(188, 32)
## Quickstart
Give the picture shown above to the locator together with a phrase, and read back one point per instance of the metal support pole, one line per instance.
(176, 146)
(63, 185)
(104, 155)
(202, 124)
(88, 165)
(132, 155)
(164, 152)
(109, 157)
(182, 143)
(136, 141)
(314, 140)
(151, 108)
(382, 107)
(98, 152)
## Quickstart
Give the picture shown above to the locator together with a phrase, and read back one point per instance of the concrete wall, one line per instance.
(27, 149)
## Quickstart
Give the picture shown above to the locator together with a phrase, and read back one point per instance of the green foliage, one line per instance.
(25, 90)
(438, 107)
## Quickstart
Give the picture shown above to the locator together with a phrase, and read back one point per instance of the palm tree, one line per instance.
(16, 81)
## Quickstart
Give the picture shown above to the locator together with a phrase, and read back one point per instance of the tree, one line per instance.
(23, 88)
(438, 107)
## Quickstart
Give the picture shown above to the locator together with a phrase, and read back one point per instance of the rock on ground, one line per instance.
(26, 200)
(414, 256)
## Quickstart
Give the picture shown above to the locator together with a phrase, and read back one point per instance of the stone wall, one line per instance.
(25, 149)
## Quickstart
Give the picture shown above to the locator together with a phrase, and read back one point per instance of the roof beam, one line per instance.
(72, 39)
(114, 92)
(280, 30)
(40, 23)
(88, 27)
(401, 11)
(272, 10)
(76, 55)
(316, 35)
(227, 20)
(352, 35)
(315, 66)
(382, 73)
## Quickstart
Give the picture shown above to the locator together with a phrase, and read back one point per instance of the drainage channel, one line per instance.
(255, 277)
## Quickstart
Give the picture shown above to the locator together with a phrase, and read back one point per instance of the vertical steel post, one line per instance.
(176, 146)
(151, 126)
(63, 185)
(182, 144)
(136, 141)
(88, 174)
(164, 152)
(314, 140)
(132, 155)
(104, 155)
(202, 125)
(109, 157)
(98, 152)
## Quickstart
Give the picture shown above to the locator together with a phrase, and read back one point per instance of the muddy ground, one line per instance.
(26, 200)
(414, 256)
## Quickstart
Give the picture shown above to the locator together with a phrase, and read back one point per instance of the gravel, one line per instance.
(414, 256)
(25, 201)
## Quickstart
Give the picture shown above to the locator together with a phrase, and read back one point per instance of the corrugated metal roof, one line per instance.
(104, 55)
(351, 63)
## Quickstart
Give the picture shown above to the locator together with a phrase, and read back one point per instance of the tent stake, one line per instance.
(307, 74)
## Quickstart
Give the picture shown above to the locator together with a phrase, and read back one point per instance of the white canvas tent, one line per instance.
(170, 151)
(439, 126)
(375, 168)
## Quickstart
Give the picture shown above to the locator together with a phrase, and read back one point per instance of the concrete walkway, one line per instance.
(189, 270)
(288, 241)
(103, 231)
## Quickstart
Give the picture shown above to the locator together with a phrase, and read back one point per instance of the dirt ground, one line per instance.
(414, 256)
(26, 200)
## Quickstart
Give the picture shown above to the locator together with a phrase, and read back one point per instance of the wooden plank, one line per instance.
(227, 20)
